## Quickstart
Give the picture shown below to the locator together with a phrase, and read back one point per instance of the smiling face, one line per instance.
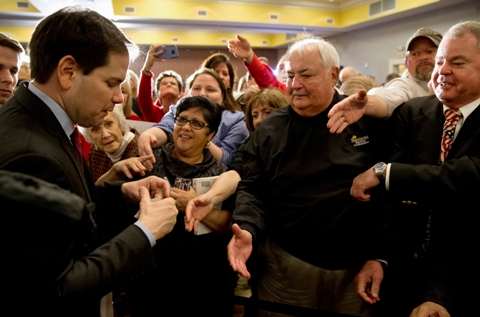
(107, 136)
(89, 98)
(310, 86)
(456, 79)
(421, 58)
(207, 86)
(190, 142)
(9, 67)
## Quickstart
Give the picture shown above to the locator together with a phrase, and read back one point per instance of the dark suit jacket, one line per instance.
(62, 264)
(419, 184)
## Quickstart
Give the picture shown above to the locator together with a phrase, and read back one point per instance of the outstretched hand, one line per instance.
(347, 111)
(145, 144)
(241, 48)
(239, 250)
(197, 209)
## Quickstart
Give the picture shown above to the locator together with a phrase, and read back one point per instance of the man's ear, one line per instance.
(66, 70)
(335, 75)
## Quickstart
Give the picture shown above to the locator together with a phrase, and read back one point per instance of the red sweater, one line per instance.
(152, 112)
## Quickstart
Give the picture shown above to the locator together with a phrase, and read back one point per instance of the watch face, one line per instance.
(379, 165)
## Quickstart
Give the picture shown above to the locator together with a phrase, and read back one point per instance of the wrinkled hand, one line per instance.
(368, 281)
(197, 209)
(239, 250)
(145, 144)
(131, 166)
(152, 57)
(347, 111)
(241, 48)
(182, 197)
(430, 309)
(362, 184)
(159, 216)
(156, 186)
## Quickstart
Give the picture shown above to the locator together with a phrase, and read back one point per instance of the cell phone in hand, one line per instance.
(171, 51)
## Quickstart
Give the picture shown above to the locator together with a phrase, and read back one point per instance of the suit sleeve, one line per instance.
(57, 249)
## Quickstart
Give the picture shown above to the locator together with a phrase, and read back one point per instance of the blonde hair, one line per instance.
(353, 84)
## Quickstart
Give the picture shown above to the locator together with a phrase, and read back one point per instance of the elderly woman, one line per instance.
(193, 276)
(113, 143)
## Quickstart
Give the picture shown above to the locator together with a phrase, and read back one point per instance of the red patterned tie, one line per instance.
(77, 145)
(451, 119)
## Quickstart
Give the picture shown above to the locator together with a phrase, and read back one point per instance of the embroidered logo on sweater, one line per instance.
(357, 141)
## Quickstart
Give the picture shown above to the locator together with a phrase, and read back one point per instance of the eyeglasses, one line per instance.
(195, 124)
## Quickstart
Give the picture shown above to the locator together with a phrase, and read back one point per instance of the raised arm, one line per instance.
(150, 111)
(199, 207)
(263, 75)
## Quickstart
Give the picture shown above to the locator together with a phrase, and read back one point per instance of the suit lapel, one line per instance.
(430, 124)
(468, 135)
(50, 123)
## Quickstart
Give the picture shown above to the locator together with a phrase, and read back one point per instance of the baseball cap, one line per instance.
(433, 35)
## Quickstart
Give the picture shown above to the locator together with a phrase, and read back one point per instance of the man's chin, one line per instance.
(424, 75)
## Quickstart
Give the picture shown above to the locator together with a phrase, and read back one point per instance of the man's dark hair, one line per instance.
(210, 109)
(15, 45)
(80, 32)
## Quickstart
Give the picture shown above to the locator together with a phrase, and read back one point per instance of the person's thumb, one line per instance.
(236, 230)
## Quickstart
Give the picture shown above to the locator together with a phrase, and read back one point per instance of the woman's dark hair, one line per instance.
(228, 102)
(211, 111)
(80, 32)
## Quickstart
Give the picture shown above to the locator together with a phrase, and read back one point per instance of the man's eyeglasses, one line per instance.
(195, 124)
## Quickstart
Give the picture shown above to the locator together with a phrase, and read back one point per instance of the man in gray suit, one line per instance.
(67, 259)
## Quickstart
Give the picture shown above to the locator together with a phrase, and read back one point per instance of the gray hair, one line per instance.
(463, 28)
(326, 50)
(118, 114)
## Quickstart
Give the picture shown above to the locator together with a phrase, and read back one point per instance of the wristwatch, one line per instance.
(379, 168)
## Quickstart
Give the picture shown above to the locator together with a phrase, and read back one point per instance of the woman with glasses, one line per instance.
(231, 132)
(193, 276)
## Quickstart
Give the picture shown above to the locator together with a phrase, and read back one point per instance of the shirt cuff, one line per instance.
(147, 232)
(387, 177)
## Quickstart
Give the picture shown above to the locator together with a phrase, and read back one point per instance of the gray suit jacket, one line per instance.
(65, 260)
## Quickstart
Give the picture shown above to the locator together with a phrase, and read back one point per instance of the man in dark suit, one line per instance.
(434, 184)
(62, 261)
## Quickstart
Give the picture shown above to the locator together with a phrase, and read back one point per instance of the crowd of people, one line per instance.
(329, 191)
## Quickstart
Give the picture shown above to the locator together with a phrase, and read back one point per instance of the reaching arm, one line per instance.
(263, 75)
(150, 111)
(127, 167)
(351, 109)
(198, 208)
(149, 139)
(239, 250)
